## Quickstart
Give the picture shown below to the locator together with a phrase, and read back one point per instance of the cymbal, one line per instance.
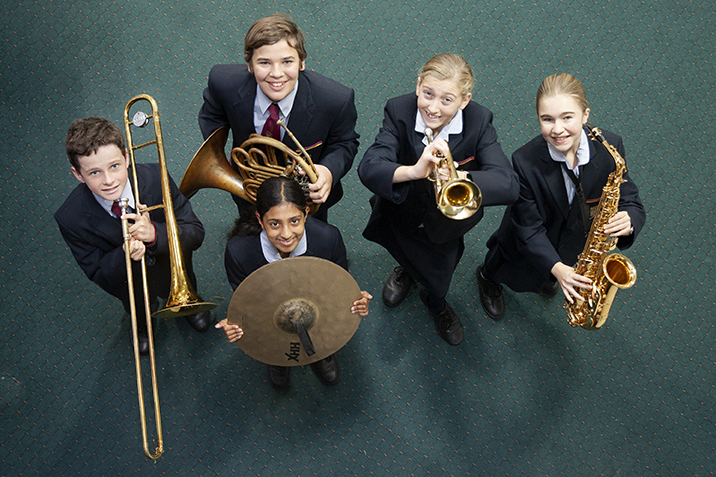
(299, 291)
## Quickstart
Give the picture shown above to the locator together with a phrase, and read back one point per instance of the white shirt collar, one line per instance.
(271, 253)
(107, 204)
(453, 127)
(285, 105)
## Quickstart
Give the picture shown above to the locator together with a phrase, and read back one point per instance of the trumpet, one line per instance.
(456, 198)
(182, 299)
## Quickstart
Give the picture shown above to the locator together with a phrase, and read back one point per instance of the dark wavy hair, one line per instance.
(274, 191)
(87, 135)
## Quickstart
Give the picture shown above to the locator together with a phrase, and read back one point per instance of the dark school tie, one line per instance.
(583, 209)
(117, 210)
(271, 127)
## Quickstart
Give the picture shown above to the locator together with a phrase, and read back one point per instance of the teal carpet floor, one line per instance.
(524, 396)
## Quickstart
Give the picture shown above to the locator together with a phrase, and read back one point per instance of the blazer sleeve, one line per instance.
(491, 170)
(189, 227)
(338, 251)
(528, 223)
(341, 144)
(212, 114)
(380, 161)
(106, 268)
(629, 199)
(235, 263)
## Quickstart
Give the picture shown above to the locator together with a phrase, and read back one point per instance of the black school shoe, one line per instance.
(490, 296)
(327, 370)
(279, 377)
(397, 287)
(200, 321)
(447, 323)
(142, 338)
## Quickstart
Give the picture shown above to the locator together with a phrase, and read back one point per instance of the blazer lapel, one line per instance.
(301, 113)
(98, 220)
(591, 182)
(552, 174)
(243, 108)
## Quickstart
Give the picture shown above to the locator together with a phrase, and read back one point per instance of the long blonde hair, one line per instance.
(448, 66)
(562, 83)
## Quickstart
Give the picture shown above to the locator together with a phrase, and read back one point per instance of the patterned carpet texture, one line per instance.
(527, 395)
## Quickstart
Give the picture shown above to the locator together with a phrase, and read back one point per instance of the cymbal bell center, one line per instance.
(295, 309)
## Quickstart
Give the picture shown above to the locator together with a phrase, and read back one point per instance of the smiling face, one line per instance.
(276, 68)
(439, 101)
(104, 171)
(284, 225)
(561, 119)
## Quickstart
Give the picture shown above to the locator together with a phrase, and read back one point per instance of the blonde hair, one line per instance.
(448, 66)
(562, 83)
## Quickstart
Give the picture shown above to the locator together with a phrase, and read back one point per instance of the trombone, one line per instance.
(182, 299)
(456, 198)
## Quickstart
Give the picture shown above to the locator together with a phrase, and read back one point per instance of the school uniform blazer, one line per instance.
(407, 205)
(95, 237)
(540, 229)
(323, 117)
(244, 255)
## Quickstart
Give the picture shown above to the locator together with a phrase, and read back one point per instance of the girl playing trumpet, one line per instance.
(405, 219)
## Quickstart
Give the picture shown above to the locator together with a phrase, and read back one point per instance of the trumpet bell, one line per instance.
(459, 199)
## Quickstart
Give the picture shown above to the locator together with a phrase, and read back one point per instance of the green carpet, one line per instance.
(524, 396)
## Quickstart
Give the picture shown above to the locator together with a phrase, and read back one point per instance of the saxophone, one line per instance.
(609, 273)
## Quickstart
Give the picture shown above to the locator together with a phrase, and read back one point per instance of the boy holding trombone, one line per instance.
(90, 220)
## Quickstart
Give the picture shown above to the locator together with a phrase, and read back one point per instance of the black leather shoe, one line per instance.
(201, 321)
(397, 287)
(279, 377)
(551, 289)
(447, 323)
(142, 338)
(327, 370)
(490, 296)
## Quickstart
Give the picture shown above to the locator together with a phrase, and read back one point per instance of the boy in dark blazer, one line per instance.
(321, 112)
(90, 224)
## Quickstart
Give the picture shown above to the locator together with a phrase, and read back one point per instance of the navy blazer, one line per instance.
(244, 255)
(410, 204)
(323, 117)
(95, 237)
(540, 229)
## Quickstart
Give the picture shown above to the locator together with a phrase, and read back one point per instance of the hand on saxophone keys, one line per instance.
(619, 225)
(570, 281)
